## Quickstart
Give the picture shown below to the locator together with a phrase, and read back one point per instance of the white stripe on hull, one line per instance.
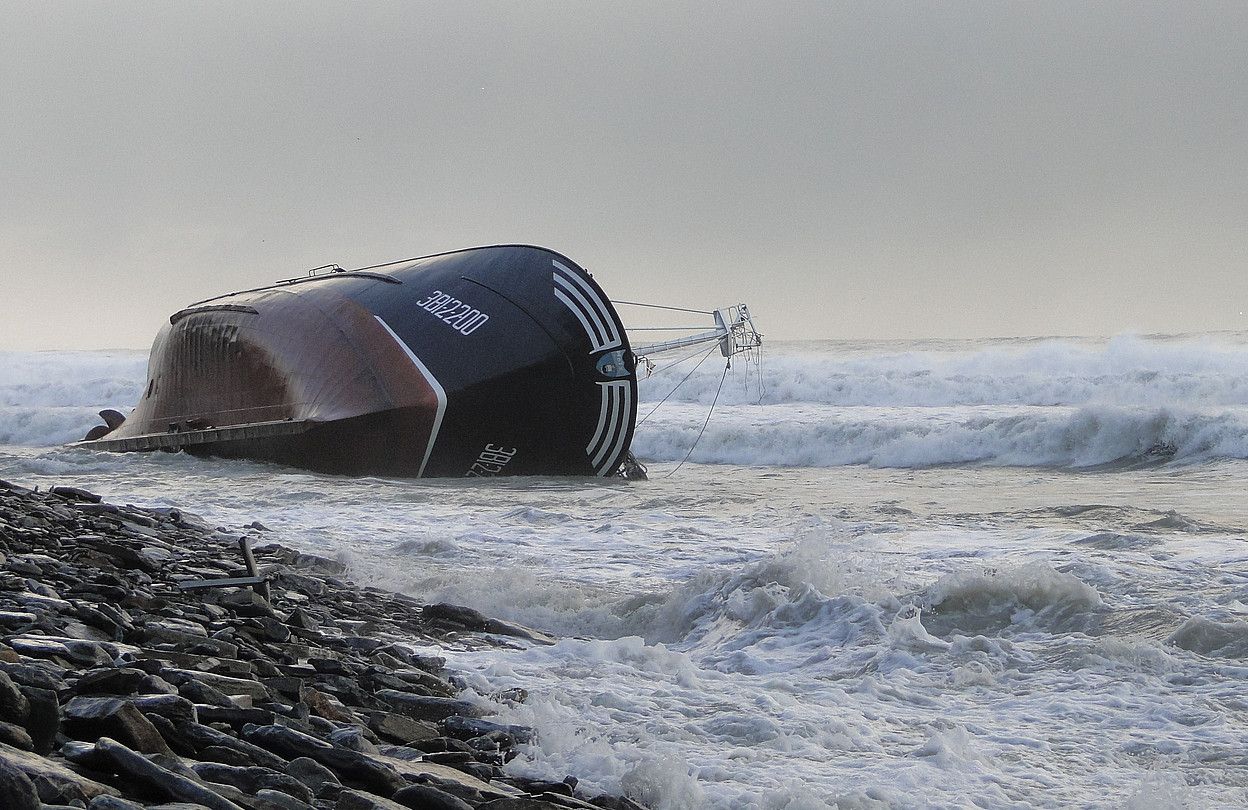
(608, 336)
(438, 390)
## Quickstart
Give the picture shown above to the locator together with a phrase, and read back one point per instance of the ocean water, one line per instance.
(923, 574)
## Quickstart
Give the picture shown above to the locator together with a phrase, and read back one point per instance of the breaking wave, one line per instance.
(50, 398)
(796, 436)
(1053, 403)
(1126, 370)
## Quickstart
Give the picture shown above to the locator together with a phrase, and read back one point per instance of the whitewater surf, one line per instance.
(897, 574)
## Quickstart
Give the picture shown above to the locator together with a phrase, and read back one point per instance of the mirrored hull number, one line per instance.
(491, 461)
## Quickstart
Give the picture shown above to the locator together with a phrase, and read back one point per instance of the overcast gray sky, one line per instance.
(850, 170)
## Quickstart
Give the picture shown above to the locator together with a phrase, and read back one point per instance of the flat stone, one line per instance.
(234, 715)
(200, 692)
(173, 785)
(425, 707)
(225, 756)
(39, 647)
(41, 675)
(198, 664)
(556, 802)
(466, 728)
(156, 685)
(428, 797)
(89, 718)
(312, 562)
(319, 779)
(458, 617)
(326, 706)
(203, 737)
(20, 619)
(267, 799)
(352, 738)
(172, 707)
(253, 779)
(400, 728)
(225, 684)
(109, 681)
(246, 602)
(187, 642)
(360, 800)
(54, 783)
(351, 766)
(75, 494)
(420, 771)
(113, 803)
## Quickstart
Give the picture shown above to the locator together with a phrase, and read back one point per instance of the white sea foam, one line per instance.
(821, 436)
(1126, 370)
(50, 398)
(806, 638)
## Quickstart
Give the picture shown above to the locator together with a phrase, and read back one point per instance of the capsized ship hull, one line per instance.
(503, 360)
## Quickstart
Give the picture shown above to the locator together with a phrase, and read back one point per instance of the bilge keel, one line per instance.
(502, 360)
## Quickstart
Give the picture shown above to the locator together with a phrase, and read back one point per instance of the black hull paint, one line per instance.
(505, 360)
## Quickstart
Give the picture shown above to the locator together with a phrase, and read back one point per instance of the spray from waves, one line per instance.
(50, 398)
(1125, 370)
(816, 436)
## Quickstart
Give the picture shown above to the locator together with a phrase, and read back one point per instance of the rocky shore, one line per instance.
(120, 688)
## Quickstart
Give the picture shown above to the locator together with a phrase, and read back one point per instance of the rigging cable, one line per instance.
(660, 306)
(724, 376)
(682, 382)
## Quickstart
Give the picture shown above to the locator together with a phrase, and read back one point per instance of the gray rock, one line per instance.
(423, 707)
(13, 704)
(16, 736)
(41, 675)
(401, 728)
(156, 685)
(225, 684)
(173, 785)
(109, 681)
(466, 728)
(234, 716)
(17, 792)
(89, 718)
(171, 707)
(359, 800)
(54, 783)
(112, 803)
(253, 779)
(277, 800)
(200, 692)
(319, 779)
(350, 766)
(458, 617)
(246, 602)
(43, 722)
(352, 737)
(427, 797)
(202, 737)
